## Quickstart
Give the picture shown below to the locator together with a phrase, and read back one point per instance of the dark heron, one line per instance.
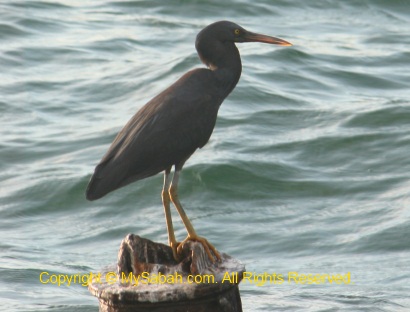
(169, 128)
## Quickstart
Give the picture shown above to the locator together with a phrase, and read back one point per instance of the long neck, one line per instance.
(224, 60)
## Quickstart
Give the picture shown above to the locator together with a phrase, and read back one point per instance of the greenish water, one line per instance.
(307, 170)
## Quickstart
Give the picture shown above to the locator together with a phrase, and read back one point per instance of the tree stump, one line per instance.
(147, 278)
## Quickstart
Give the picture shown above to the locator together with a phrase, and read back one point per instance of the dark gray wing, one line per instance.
(166, 131)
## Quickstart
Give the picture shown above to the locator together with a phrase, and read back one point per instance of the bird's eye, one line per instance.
(237, 31)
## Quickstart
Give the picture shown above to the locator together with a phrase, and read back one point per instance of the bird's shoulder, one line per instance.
(191, 96)
(196, 87)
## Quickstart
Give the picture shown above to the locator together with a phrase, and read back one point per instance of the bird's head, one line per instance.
(225, 31)
(211, 42)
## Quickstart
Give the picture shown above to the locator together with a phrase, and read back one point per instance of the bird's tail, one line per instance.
(94, 191)
(100, 184)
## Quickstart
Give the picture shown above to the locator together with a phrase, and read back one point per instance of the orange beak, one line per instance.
(253, 37)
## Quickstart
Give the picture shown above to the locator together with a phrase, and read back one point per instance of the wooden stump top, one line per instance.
(147, 273)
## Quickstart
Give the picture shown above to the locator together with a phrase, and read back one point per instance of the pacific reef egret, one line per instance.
(169, 128)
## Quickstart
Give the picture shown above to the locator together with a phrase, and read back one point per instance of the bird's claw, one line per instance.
(207, 246)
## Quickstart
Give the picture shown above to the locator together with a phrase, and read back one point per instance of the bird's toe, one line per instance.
(209, 248)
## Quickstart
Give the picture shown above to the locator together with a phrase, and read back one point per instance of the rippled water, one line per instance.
(307, 170)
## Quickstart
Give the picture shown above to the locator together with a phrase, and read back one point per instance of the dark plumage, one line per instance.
(169, 128)
(156, 137)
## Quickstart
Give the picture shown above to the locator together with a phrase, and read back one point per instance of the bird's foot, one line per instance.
(207, 246)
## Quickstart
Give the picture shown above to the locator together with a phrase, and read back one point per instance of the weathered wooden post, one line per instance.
(147, 278)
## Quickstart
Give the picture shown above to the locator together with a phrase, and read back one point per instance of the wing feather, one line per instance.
(166, 131)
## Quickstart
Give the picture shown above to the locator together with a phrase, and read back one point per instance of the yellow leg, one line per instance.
(173, 193)
(166, 202)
